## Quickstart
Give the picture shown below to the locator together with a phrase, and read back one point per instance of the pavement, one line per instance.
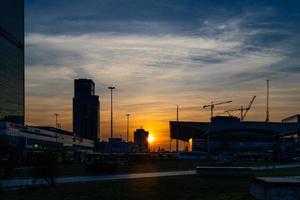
(282, 166)
(26, 182)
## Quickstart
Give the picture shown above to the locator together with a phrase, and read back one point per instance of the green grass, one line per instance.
(134, 167)
(141, 167)
(180, 187)
(138, 167)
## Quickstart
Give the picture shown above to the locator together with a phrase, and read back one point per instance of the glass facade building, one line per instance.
(12, 61)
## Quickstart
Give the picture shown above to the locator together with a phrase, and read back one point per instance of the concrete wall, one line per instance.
(285, 190)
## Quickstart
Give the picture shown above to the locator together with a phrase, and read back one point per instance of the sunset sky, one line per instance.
(159, 54)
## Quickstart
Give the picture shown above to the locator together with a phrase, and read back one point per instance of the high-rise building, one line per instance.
(86, 110)
(141, 139)
(12, 61)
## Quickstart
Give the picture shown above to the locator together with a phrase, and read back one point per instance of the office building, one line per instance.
(86, 110)
(141, 140)
(12, 61)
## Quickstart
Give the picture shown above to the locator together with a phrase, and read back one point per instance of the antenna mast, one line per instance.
(267, 112)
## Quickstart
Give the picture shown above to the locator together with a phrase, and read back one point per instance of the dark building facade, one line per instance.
(86, 107)
(141, 140)
(229, 134)
(12, 61)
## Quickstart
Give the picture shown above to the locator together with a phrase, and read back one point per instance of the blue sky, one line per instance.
(159, 54)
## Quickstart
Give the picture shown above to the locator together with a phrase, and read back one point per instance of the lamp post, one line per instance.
(127, 115)
(177, 145)
(56, 125)
(111, 110)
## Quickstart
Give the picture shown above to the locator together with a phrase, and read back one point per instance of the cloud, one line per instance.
(159, 55)
(150, 72)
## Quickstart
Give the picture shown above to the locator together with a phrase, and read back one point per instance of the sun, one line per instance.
(150, 138)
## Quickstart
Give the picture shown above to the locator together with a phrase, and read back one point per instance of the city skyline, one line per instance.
(158, 55)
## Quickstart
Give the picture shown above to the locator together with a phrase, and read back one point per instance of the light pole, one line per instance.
(127, 115)
(111, 110)
(177, 110)
(56, 124)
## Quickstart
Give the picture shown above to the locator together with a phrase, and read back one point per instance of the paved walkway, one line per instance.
(20, 183)
(283, 166)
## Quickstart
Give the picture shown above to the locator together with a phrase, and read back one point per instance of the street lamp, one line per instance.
(127, 115)
(56, 124)
(111, 110)
(177, 113)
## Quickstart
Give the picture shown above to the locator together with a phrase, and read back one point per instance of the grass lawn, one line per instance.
(180, 187)
(141, 167)
(134, 167)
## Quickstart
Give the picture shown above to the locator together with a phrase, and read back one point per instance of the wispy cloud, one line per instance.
(160, 60)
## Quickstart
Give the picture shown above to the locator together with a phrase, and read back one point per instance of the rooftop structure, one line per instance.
(292, 119)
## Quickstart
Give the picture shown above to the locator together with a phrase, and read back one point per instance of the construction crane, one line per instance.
(212, 105)
(242, 109)
(226, 111)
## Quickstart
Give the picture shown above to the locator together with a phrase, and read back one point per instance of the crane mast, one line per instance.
(212, 106)
(242, 109)
(248, 108)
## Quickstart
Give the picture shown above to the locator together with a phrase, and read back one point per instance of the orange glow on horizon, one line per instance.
(155, 120)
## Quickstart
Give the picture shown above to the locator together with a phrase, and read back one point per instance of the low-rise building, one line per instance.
(116, 145)
(42, 138)
(229, 134)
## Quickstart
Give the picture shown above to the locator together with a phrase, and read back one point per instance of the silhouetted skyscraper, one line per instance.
(86, 110)
(141, 139)
(12, 61)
